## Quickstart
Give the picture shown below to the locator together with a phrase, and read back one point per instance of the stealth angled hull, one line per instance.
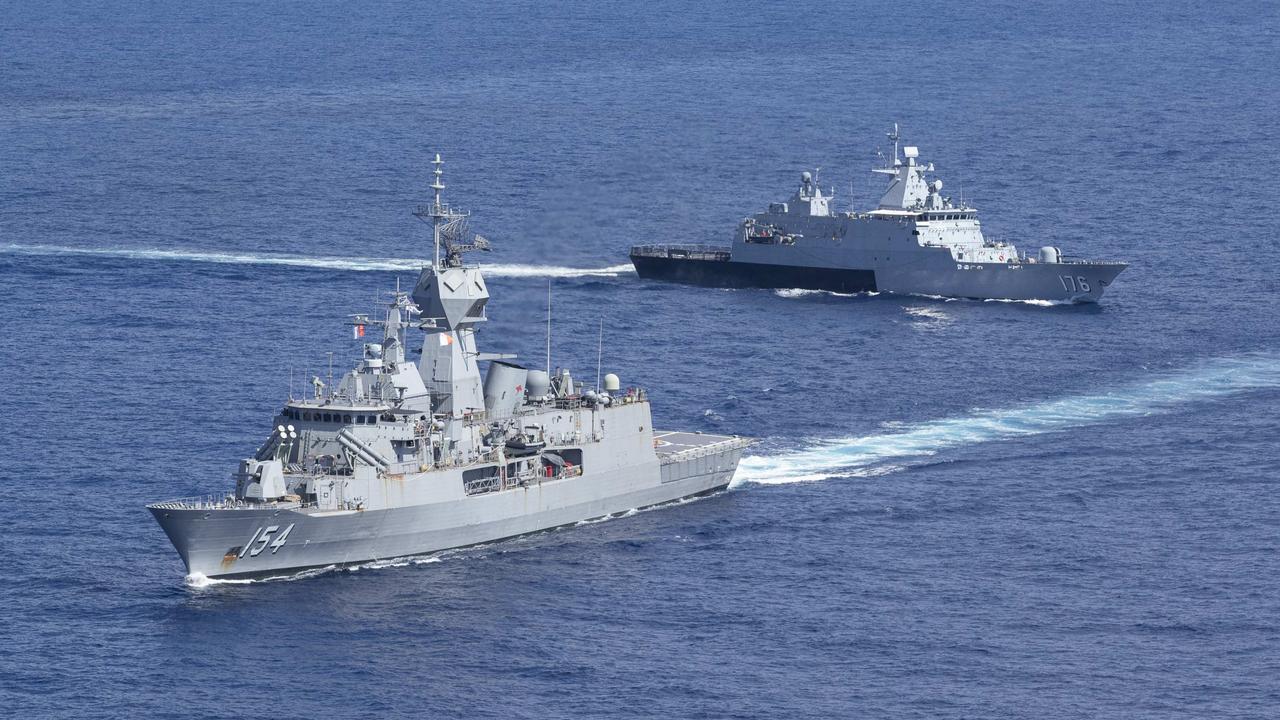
(1074, 282)
(917, 241)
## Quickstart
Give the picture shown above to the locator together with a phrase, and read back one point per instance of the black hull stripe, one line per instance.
(730, 274)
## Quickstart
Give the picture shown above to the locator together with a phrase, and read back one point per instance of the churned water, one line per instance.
(957, 509)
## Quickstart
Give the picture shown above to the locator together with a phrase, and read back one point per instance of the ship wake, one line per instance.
(876, 454)
(348, 264)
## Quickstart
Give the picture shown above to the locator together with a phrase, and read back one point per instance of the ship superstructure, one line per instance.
(916, 241)
(404, 457)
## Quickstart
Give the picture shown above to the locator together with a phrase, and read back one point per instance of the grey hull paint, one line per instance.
(402, 458)
(210, 542)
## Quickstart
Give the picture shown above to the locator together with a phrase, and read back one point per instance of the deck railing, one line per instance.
(690, 252)
(704, 450)
(225, 502)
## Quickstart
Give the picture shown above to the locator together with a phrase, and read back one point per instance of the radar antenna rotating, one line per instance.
(451, 227)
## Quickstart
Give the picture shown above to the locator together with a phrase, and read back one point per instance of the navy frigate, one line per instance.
(405, 458)
(916, 242)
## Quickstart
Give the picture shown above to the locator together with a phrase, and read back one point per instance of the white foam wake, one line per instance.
(325, 263)
(872, 455)
(803, 292)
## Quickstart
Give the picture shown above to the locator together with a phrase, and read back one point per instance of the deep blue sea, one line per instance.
(957, 510)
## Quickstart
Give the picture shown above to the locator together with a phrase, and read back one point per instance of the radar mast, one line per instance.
(449, 226)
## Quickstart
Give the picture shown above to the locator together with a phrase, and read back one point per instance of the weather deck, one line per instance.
(670, 444)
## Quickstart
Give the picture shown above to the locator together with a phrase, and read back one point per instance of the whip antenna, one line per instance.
(599, 351)
(548, 327)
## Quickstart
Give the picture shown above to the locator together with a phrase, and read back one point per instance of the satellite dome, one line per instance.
(805, 176)
(936, 186)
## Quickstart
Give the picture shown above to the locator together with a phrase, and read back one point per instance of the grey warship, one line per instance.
(405, 458)
(915, 242)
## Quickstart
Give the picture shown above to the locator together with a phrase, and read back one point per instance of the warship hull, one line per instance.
(246, 542)
(929, 273)
(730, 274)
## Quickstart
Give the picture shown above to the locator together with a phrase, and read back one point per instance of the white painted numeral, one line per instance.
(249, 544)
(263, 540)
(1074, 284)
(280, 539)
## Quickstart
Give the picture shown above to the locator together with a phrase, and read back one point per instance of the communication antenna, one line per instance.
(599, 351)
(437, 212)
(291, 382)
(330, 354)
(548, 327)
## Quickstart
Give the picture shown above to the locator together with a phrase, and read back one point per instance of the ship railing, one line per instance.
(482, 485)
(225, 502)
(704, 450)
(690, 252)
(1075, 260)
(1030, 259)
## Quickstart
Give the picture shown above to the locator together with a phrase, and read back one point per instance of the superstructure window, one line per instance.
(328, 417)
(359, 419)
(346, 419)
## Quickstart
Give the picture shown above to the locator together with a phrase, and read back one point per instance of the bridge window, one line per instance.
(328, 417)
(359, 419)
(346, 419)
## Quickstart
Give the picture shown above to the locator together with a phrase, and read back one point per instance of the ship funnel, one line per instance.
(504, 388)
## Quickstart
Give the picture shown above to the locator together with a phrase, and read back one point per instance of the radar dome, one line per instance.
(537, 383)
(936, 186)
(611, 382)
(805, 176)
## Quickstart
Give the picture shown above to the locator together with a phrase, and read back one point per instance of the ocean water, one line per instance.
(957, 509)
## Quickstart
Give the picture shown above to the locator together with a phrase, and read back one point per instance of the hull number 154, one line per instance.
(262, 539)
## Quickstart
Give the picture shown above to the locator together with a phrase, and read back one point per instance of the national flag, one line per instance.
(357, 332)
(445, 339)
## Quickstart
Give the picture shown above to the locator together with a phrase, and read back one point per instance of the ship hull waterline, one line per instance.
(1051, 282)
(220, 544)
